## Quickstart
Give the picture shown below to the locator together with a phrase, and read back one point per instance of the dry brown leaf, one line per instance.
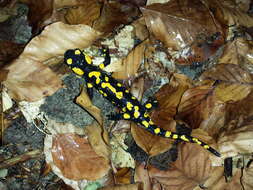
(84, 101)
(169, 96)
(76, 159)
(123, 176)
(229, 15)
(114, 14)
(130, 64)
(238, 51)
(191, 169)
(152, 144)
(240, 110)
(177, 23)
(237, 141)
(234, 83)
(239, 180)
(136, 186)
(142, 176)
(98, 139)
(196, 105)
(28, 79)
(87, 13)
(140, 28)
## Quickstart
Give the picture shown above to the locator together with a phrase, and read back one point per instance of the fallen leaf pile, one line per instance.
(146, 39)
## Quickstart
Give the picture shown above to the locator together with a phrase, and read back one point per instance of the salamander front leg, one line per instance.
(151, 103)
(107, 59)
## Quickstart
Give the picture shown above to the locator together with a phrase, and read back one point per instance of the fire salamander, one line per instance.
(130, 108)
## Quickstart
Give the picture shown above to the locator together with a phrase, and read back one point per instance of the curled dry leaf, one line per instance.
(196, 105)
(152, 144)
(123, 176)
(237, 141)
(191, 169)
(28, 79)
(130, 64)
(169, 95)
(177, 23)
(84, 101)
(234, 83)
(98, 139)
(76, 159)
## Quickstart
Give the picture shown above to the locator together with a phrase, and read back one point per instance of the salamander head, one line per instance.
(76, 60)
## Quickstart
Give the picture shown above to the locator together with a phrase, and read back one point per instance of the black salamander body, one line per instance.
(111, 89)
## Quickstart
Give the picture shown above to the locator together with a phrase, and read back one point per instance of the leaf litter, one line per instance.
(215, 107)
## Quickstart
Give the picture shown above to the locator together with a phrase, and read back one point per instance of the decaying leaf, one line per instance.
(28, 79)
(76, 159)
(84, 101)
(9, 50)
(177, 23)
(191, 169)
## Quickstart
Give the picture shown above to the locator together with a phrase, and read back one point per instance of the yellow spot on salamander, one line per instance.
(183, 137)
(148, 105)
(146, 114)
(129, 106)
(78, 71)
(167, 134)
(133, 98)
(127, 91)
(197, 141)
(151, 122)
(96, 74)
(88, 59)
(89, 85)
(206, 146)
(126, 116)
(119, 85)
(157, 130)
(175, 136)
(136, 108)
(106, 78)
(136, 114)
(145, 123)
(101, 66)
(124, 109)
(77, 52)
(119, 95)
(69, 61)
(101, 91)
(105, 94)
